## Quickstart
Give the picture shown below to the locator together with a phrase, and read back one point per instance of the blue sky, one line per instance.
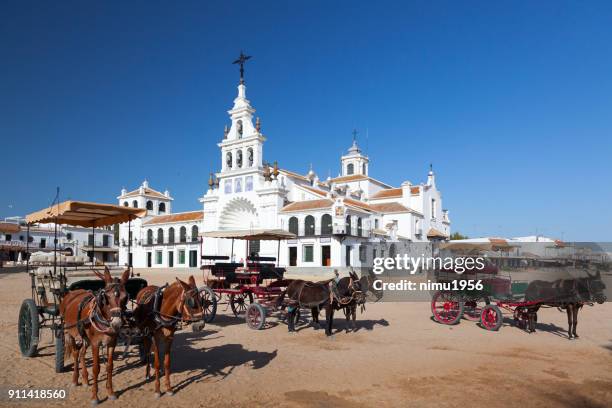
(511, 101)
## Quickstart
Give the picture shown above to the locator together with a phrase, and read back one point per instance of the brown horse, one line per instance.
(349, 292)
(566, 294)
(313, 295)
(158, 312)
(94, 319)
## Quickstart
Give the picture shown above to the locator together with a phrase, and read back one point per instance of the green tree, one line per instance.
(457, 235)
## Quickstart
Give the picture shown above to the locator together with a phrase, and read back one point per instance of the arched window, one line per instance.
(359, 230)
(194, 233)
(349, 229)
(150, 205)
(161, 209)
(160, 236)
(171, 235)
(326, 224)
(239, 158)
(250, 156)
(228, 160)
(363, 171)
(135, 204)
(150, 237)
(239, 128)
(350, 169)
(126, 204)
(309, 225)
(293, 225)
(183, 234)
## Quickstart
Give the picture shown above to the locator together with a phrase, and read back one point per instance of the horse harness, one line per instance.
(95, 318)
(165, 321)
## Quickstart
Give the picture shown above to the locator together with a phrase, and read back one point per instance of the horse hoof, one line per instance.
(94, 402)
(157, 395)
(112, 397)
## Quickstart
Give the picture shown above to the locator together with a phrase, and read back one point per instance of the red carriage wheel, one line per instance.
(238, 302)
(208, 300)
(491, 317)
(256, 316)
(446, 309)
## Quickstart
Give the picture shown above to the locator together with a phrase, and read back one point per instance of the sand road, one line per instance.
(398, 357)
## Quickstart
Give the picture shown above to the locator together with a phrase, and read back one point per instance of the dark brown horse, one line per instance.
(94, 319)
(349, 293)
(328, 295)
(566, 294)
(312, 295)
(158, 312)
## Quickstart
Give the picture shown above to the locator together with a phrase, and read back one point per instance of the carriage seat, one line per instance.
(135, 285)
(225, 270)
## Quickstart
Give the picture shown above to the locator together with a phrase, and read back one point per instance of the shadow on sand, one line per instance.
(218, 361)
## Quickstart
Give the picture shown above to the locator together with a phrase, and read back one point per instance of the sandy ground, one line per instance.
(398, 357)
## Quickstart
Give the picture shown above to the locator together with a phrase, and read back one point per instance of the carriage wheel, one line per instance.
(238, 302)
(28, 328)
(59, 351)
(256, 316)
(472, 309)
(209, 303)
(446, 309)
(491, 317)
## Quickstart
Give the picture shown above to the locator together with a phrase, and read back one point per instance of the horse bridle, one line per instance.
(171, 321)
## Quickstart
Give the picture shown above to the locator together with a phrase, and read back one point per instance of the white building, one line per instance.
(77, 241)
(334, 219)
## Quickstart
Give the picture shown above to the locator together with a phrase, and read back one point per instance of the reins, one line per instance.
(94, 317)
(161, 319)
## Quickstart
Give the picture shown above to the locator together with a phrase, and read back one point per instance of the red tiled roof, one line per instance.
(358, 204)
(178, 217)
(415, 190)
(387, 193)
(352, 177)
(314, 190)
(292, 174)
(307, 205)
(393, 207)
(9, 227)
(147, 191)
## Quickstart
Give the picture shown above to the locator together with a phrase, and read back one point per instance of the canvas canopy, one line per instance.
(251, 235)
(85, 214)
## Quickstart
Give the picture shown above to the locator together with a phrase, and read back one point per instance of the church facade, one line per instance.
(338, 222)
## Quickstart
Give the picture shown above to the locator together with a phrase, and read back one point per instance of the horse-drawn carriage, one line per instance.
(484, 294)
(52, 279)
(250, 288)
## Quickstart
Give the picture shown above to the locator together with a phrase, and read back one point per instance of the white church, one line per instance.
(338, 222)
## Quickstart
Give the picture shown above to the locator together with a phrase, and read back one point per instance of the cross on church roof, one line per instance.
(241, 60)
(354, 135)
